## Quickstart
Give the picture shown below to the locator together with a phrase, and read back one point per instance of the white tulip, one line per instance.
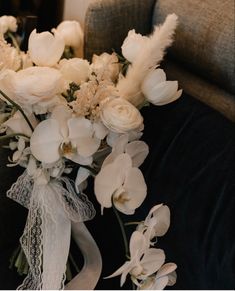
(34, 85)
(71, 32)
(7, 23)
(75, 70)
(159, 91)
(45, 49)
(120, 116)
(133, 44)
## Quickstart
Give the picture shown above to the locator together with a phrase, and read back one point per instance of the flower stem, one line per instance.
(122, 231)
(13, 135)
(17, 107)
(14, 41)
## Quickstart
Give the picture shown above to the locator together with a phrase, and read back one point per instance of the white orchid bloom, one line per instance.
(20, 156)
(121, 182)
(166, 276)
(159, 91)
(45, 49)
(156, 223)
(64, 136)
(137, 150)
(143, 262)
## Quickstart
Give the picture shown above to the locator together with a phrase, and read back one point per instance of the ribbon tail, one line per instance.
(91, 271)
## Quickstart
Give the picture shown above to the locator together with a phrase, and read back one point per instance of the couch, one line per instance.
(191, 164)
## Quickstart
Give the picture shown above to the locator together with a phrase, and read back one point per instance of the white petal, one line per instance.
(166, 269)
(172, 279)
(123, 271)
(87, 146)
(152, 79)
(118, 148)
(100, 130)
(62, 113)
(162, 93)
(45, 141)
(138, 245)
(45, 49)
(82, 175)
(160, 283)
(162, 216)
(136, 188)
(76, 158)
(79, 127)
(110, 178)
(152, 260)
(138, 151)
(172, 99)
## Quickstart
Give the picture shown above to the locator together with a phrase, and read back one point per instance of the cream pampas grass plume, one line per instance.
(148, 59)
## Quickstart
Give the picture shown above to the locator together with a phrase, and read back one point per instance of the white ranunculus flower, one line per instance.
(106, 66)
(7, 23)
(71, 32)
(159, 91)
(75, 70)
(120, 115)
(133, 44)
(34, 84)
(45, 49)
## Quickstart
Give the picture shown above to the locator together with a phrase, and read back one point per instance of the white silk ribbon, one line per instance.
(46, 237)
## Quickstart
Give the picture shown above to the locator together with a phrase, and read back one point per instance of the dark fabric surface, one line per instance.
(191, 169)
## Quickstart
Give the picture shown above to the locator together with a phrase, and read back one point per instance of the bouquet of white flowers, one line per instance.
(60, 114)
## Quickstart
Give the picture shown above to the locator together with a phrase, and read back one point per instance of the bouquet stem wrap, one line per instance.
(46, 237)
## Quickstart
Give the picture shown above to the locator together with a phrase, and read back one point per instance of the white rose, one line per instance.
(75, 70)
(106, 65)
(133, 44)
(45, 49)
(35, 84)
(159, 91)
(7, 23)
(71, 32)
(120, 115)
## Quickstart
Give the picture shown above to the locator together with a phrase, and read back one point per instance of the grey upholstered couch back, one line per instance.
(203, 55)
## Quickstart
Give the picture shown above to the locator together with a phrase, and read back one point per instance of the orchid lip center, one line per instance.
(67, 148)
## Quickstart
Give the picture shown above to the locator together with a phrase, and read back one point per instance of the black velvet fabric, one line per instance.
(190, 168)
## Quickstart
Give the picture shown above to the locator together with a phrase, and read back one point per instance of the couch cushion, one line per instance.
(204, 39)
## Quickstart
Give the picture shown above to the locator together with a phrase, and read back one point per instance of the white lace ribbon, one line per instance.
(46, 236)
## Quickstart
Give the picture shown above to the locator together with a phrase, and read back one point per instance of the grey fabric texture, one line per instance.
(203, 48)
(201, 89)
(205, 37)
(107, 23)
